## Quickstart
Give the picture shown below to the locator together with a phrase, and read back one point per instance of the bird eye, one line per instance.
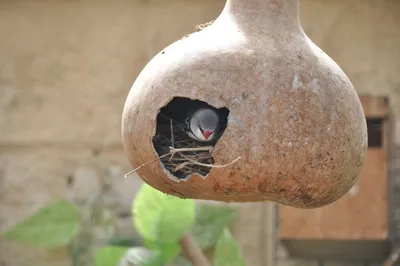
(201, 129)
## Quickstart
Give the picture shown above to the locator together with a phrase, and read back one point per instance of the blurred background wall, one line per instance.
(66, 67)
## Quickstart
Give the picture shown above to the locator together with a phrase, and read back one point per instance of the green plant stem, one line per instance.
(193, 251)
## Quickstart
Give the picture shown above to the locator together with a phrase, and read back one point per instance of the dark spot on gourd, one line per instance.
(229, 191)
(247, 177)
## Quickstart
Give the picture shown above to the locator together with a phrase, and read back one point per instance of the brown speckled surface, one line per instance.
(362, 214)
(295, 119)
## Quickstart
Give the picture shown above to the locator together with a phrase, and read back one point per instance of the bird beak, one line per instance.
(207, 133)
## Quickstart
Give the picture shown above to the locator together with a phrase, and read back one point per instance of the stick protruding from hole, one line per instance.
(173, 151)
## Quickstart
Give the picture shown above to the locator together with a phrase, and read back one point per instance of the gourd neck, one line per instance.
(271, 14)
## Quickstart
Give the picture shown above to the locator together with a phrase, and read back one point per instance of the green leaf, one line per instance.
(211, 220)
(227, 252)
(109, 255)
(168, 251)
(162, 217)
(54, 225)
(155, 260)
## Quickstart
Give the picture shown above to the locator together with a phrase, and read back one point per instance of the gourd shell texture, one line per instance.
(295, 120)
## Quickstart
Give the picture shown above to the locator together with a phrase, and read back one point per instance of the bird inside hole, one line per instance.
(204, 125)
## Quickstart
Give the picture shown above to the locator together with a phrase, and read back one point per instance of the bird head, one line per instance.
(204, 125)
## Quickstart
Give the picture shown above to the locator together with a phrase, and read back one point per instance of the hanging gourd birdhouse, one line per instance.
(246, 109)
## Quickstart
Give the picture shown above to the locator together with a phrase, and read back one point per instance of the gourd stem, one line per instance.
(284, 13)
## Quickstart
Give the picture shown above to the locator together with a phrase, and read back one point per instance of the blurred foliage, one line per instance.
(109, 255)
(169, 251)
(211, 220)
(160, 219)
(52, 226)
(227, 251)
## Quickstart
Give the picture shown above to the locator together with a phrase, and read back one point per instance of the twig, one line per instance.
(184, 141)
(206, 148)
(180, 166)
(212, 165)
(172, 134)
(166, 117)
(203, 156)
(188, 169)
(172, 138)
(173, 151)
(140, 166)
(193, 251)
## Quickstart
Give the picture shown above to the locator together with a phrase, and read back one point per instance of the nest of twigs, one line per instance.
(181, 155)
(178, 153)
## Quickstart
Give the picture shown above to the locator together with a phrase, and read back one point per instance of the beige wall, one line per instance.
(66, 68)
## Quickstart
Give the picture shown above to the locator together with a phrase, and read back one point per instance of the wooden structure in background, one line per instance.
(357, 225)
